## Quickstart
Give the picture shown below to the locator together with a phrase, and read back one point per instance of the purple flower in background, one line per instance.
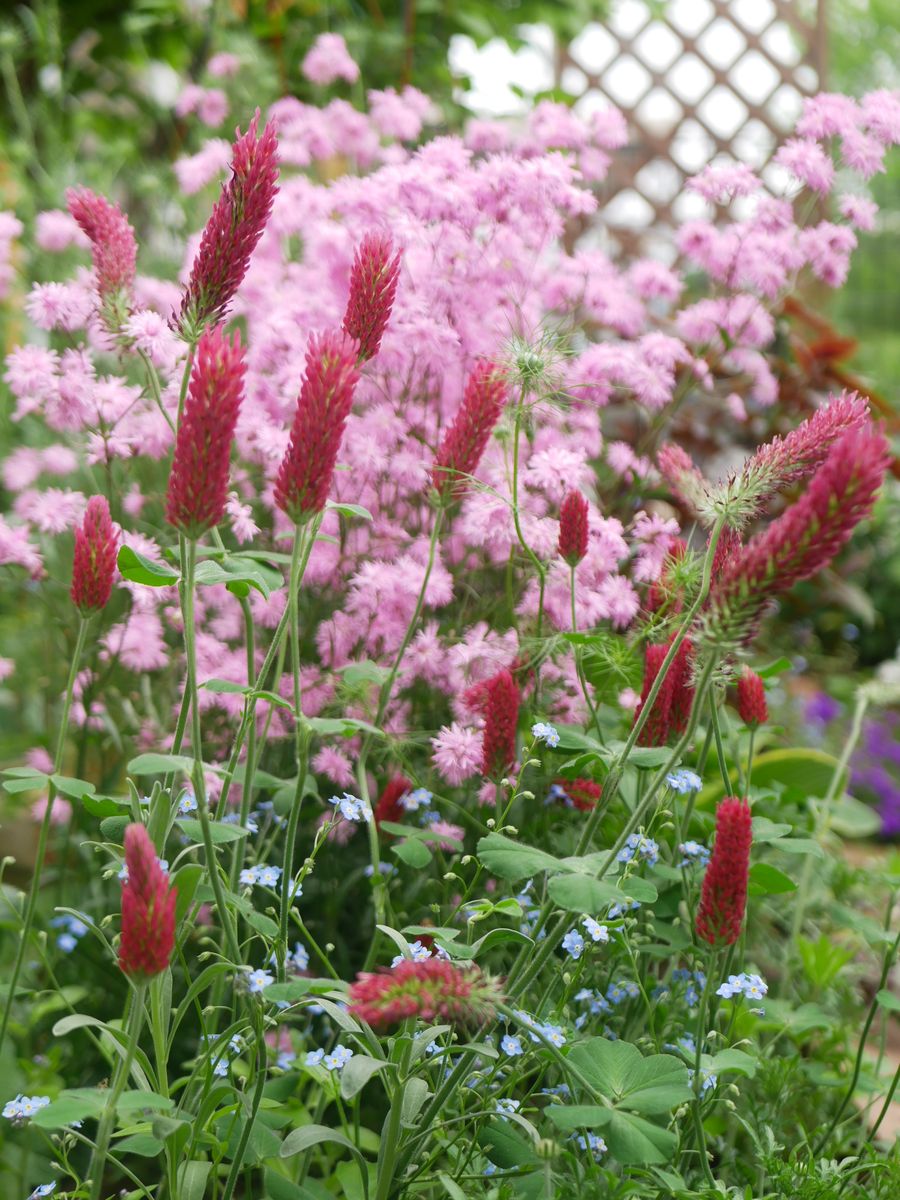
(821, 709)
(875, 769)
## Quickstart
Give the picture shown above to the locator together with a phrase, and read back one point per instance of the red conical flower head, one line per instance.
(431, 990)
(501, 719)
(573, 528)
(198, 482)
(94, 565)
(724, 894)
(751, 699)
(373, 286)
(148, 909)
(326, 398)
(463, 445)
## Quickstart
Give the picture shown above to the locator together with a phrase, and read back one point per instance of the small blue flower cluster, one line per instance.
(43, 1189)
(753, 987)
(531, 910)
(684, 781)
(550, 1033)
(693, 854)
(418, 798)
(419, 953)
(573, 942)
(545, 733)
(506, 1106)
(591, 1142)
(23, 1108)
(262, 874)
(694, 981)
(641, 846)
(351, 808)
(72, 931)
(623, 989)
(335, 1061)
(251, 824)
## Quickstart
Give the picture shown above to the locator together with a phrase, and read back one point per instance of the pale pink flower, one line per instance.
(457, 753)
(402, 115)
(60, 815)
(335, 765)
(328, 59)
(223, 65)
(446, 830)
(808, 162)
(859, 211)
(7, 668)
(56, 230)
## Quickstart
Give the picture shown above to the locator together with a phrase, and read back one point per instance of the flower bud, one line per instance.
(573, 528)
(94, 565)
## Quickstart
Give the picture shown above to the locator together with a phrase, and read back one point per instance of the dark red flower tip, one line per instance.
(373, 288)
(198, 482)
(326, 398)
(148, 909)
(464, 442)
(672, 707)
(723, 897)
(573, 528)
(236, 224)
(501, 718)
(751, 699)
(113, 250)
(94, 565)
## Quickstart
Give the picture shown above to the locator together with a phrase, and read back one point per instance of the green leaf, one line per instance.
(76, 1104)
(580, 894)
(578, 1116)
(888, 1000)
(160, 764)
(634, 1141)
(315, 1135)
(76, 788)
(853, 819)
(765, 830)
(239, 577)
(343, 726)
(218, 830)
(137, 569)
(654, 1084)
(113, 828)
(801, 846)
(356, 1073)
(735, 1062)
(191, 1180)
(505, 1148)
(495, 937)
(296, 989)
(513, 861)
(279, 1188)
(226, 687)
(766, 880)
(415, 1093)
(778, 667)
(413, 852)
(453, 1190)
(129, 1101)
(349, 510)
(261, 923)
(804, 770)
(366, 671)
(145, 1145)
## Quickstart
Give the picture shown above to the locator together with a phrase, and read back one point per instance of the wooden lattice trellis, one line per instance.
(695, 79)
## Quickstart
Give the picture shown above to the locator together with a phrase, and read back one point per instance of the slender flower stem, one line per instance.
(304, 537)
(249, 1117)
(824, 820)
(720, 748)
(390, 1143)
(120, 1080)
(697, 1104)
(539, 566)
(197, 777)
(43, 835)
(237, 860)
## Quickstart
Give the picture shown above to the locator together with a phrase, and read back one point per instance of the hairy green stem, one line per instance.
(120, 1080)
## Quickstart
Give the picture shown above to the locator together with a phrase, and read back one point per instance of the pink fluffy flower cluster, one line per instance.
(490, 271)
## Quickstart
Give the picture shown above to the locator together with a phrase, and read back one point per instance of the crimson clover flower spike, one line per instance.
(430, 989)
(723, 897)
(672, 706)
(751, 699)
(683, 478)
(113, 251)
(94, 564)
(501, 718)
(464, 442)
(326, 398)
(573, 528)
(148, 909)
(237, 222)
(788, 460)
(803, 540)
(373, 288)
(198, 482)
